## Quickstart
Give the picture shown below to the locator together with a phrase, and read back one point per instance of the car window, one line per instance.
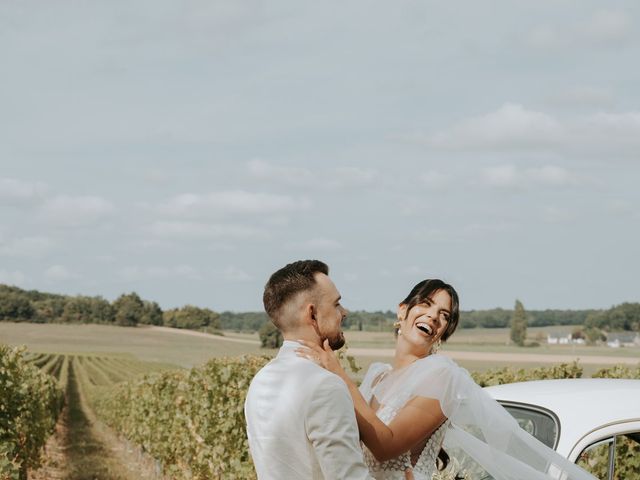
(627, 457)
(616, 458)
(596, 459)
(535, 422)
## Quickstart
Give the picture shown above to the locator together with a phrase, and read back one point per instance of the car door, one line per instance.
(614, 457)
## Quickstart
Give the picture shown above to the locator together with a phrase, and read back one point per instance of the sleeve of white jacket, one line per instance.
(333, 432)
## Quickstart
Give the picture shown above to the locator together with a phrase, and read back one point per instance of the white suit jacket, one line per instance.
(301, 422)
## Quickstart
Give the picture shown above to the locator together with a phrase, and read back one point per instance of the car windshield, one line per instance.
(538, 423)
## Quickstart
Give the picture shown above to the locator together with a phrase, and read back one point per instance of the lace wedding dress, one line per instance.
(478, 431)
(395, 468)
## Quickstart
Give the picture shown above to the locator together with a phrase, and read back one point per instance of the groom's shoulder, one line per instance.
(300, 370)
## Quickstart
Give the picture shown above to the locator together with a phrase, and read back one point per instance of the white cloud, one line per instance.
(331, 177)
(75, 211)
(289, 175)
(348, 177)
(501, 176)
(137, 273)
(16, 192)
(605, 134)
(510, 176)
(57, 273)
(235, 274)
(551, 175)
(317, 244)
(512, 127)
(26, 247)
(197, 230)
(232, 202)
(12, 277)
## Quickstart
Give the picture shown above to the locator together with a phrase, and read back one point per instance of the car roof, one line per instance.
(581, 404)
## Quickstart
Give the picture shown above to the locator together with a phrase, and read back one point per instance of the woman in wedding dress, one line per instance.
(407, 411)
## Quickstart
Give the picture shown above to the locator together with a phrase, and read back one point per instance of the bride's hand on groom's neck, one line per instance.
(323, 356)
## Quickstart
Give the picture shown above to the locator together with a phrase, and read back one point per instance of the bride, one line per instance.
(407, 411)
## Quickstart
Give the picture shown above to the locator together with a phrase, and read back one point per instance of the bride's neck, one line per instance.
(405, 355)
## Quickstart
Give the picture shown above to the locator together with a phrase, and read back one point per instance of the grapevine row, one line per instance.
(192, 422)
(30, 401)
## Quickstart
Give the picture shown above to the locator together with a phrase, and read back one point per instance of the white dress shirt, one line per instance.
(301, 422)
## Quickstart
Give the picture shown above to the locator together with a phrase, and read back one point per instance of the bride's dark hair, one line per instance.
(423, 292)
(420, 294)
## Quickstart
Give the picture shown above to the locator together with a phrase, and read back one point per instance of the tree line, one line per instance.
(18, 305)
(129, 309)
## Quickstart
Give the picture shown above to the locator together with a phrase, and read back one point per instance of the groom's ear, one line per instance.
(310, 312)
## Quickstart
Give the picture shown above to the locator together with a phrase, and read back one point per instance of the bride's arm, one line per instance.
(417, 420)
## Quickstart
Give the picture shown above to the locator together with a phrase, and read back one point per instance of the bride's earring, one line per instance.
(436, 346)
(396, 325)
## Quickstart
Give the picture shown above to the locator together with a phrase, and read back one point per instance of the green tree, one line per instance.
(49, 310)
(15, 307)
(191, 317)
(102, 311)
(151, 314)
(270, 336)
(594, 335)
(129, 309)
(78, 310)
(519, 324)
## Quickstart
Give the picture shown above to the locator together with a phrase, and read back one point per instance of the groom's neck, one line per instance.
(302, 334)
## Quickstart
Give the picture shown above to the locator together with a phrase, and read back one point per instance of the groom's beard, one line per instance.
(337, 341)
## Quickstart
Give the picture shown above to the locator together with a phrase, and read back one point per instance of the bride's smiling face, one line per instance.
(426, 322)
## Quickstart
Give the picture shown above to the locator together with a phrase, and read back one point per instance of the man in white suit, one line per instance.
(300, 418)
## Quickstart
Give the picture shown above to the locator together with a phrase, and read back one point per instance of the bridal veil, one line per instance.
(480, 430)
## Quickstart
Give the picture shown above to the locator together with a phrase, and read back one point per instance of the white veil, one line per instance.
(480, 427)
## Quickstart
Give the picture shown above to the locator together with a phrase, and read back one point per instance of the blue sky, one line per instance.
(186, 150)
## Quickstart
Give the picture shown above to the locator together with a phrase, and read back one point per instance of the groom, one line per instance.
(300, 418)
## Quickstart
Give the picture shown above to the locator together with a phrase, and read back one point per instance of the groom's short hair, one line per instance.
(287, 282)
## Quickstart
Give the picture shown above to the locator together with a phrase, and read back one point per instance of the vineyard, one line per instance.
(38, 385)
(187, 424)
(190, 422)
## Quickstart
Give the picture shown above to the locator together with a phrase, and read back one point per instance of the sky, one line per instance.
(185, 150)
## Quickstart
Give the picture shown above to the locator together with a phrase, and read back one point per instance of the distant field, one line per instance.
(140, 343)
(496, 340)
(188, 348)
(462, 336)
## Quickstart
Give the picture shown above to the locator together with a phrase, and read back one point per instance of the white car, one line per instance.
(593, 422)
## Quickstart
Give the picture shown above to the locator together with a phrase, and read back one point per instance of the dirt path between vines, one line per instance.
(84, 449)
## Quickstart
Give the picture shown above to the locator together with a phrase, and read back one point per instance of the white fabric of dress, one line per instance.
(479, 432)
(395, 468)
